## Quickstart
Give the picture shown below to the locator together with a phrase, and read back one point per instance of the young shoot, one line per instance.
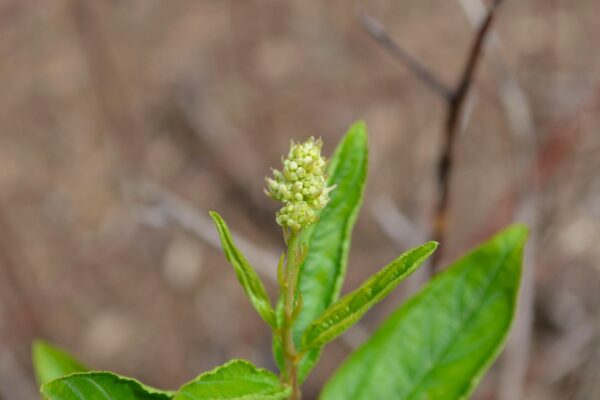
(435, 346)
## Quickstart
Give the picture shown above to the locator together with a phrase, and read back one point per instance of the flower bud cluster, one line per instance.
(301, 186)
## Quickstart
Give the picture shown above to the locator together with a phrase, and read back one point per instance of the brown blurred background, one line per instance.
(123, 122)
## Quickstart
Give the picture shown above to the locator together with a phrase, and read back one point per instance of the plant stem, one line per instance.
(294, 260)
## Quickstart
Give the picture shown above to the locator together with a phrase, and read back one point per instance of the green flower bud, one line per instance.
(301, 186)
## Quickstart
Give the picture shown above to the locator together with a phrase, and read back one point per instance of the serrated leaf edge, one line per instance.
(148, 389)
(285, 390)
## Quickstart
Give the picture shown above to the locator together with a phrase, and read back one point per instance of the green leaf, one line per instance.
(238, 379)
(439, 344)
(249, 279)
(100, 386)
(322, 274)
(50, 362)
(347, 311)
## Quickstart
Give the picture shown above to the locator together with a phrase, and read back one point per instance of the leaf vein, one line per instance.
(466, 321)
(99, 388)
(75, 390)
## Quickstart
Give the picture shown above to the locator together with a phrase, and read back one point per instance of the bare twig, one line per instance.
(454, 112)
(455, 106)
(514, 99)
(539, 165)
(376, 30)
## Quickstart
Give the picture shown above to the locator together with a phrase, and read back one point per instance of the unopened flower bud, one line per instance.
(301, 186)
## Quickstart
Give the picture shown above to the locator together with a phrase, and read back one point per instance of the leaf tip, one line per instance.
(360, 124)
(430, 247)
(359, 128)
(38, 345)
(520, 227)
(218, 220)
(518, 232)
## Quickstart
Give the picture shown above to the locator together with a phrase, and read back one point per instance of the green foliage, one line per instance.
(346, 312)
(238, 379)
(438, 345)
(323, 271)
(249, 279)
(99, 386)
(50, 362)
(322, 274)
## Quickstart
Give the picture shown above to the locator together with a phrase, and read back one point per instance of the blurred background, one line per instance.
(123, 122)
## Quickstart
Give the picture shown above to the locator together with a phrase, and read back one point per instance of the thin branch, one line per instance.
(376, 30)
(475, 55)
(539, 165)
(456, 116)
(453, 117)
